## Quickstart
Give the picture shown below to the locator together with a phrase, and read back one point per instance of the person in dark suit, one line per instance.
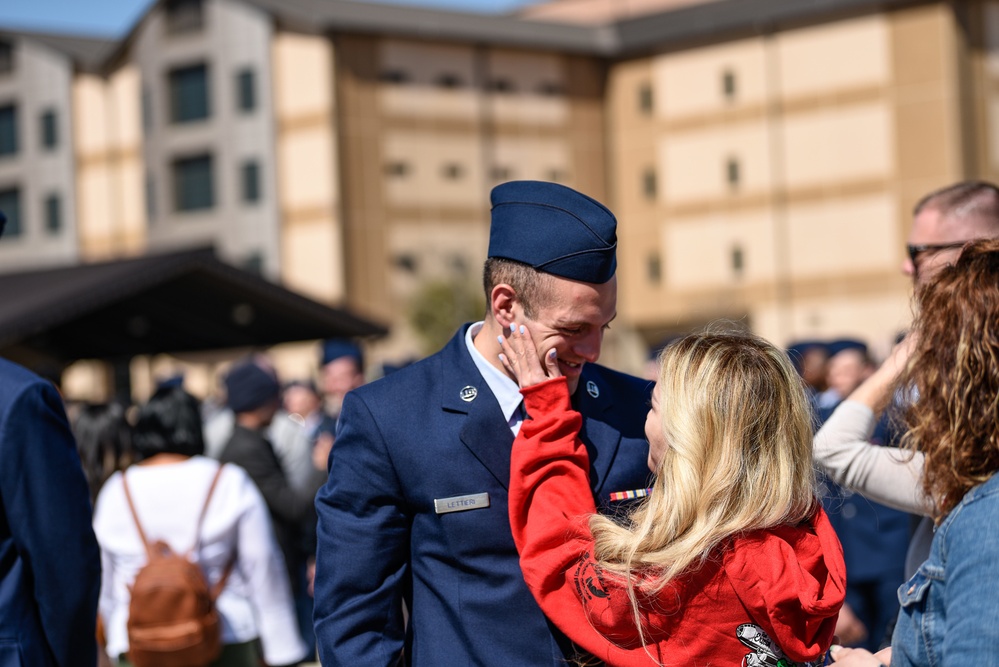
(50, 569)
(414, 513)
(253, 394)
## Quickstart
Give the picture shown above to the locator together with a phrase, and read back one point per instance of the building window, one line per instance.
(449, 80)
(147, 109)
(728, 84)
(8, 130)
(500, 173)
(500, 85)
(645, 99)
(53, 214)
(732, 172)
(184, 15)
(49, 130)
(10, 204)
(189, 93)
(254, 263)
(192, 183)
(405, 262)
(649, 184)
(394, 76)
(150, 198)
(738, 261)
(549, 89)
(246, 90)
(397, 169)
(654, 268)
(250, 178)
(6, 57)
(453, 171)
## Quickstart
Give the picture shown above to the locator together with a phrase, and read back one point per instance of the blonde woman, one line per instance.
(730, 559)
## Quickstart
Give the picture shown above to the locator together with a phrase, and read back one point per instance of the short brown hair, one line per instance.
(533, 287)
(964, 199)
(955, 370)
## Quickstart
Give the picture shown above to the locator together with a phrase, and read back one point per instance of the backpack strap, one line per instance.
(216, 590)
(135, 515)
(204, 511)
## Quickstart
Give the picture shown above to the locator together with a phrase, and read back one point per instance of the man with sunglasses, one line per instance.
(944, 221)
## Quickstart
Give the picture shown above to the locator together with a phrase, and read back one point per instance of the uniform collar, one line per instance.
(506, 391)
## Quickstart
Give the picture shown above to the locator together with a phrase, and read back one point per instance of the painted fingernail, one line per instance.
(500, 339)
(502, 357)
(522, 330)
(513, 327)
(552, 353)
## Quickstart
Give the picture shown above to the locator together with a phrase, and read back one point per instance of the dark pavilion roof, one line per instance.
(178, 302)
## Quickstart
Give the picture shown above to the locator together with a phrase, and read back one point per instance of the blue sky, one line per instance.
(114, 17)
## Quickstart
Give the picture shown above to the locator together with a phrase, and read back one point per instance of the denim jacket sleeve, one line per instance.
(949, 607)
(969, 550)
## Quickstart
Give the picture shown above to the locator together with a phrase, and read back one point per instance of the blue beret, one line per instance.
(553, 229)
(249, 387)
(335, 348)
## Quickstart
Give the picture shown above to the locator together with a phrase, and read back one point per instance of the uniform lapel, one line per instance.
(485, 431)
(594, 400)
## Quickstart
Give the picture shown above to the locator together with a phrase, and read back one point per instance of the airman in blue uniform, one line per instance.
(414, 514)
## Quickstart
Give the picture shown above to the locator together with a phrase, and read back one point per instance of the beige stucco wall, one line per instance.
(835, 127)
(842, 236)
(110, 173)
(838, 144)
(824, 59)
(690, 82)
(308, 174)
(693, 164)
(428, 153)
(698, 250)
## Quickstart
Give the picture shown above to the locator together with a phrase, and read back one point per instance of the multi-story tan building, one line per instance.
(762, 155)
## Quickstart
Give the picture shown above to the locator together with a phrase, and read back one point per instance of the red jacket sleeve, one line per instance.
(550, 505)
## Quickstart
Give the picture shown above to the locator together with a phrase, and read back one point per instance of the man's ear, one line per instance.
(503, 305)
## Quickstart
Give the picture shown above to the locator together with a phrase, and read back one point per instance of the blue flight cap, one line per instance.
(797, 350)
(844, 344)
(335, 348)
(553, 229)
(171, 382)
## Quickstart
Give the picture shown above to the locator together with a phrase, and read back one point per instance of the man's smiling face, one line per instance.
(571, 319)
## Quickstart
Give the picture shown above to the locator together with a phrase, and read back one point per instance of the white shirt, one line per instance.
(256, 601)
(506, 391)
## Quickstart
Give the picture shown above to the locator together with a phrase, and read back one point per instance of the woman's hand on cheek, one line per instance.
(520, 358)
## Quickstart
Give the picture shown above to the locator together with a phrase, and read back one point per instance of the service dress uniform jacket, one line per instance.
(415, 511)
(50, 572)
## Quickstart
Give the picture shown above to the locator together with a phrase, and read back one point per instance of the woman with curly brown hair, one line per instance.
(950, 605)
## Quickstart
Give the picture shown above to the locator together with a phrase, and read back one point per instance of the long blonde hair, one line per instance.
(738, 434)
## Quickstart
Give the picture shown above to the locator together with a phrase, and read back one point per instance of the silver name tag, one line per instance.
(475, 501)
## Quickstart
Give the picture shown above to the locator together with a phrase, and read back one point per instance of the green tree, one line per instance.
(439, 307)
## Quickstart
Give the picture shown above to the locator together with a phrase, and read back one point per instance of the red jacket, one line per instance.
(768, 597)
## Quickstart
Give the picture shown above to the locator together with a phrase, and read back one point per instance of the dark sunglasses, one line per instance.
(916, 250)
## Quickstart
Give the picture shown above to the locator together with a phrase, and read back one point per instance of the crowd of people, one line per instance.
(507, 501)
